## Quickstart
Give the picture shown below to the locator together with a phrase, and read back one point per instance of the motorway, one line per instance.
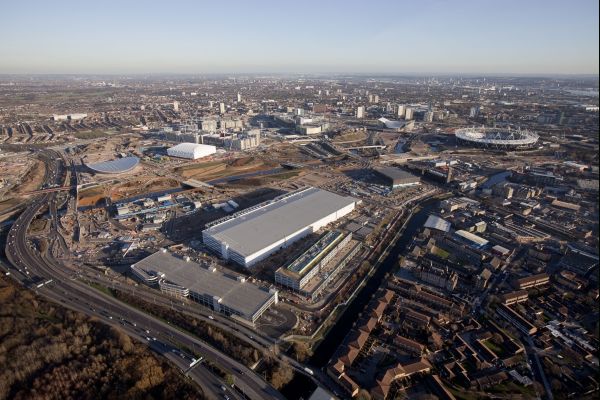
(56, 282)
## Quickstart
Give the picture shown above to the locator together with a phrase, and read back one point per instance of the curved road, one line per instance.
(35, 271)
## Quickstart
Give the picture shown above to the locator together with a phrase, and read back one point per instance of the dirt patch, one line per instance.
(5, 205)
(91, 197)
(222, 169)
(33, 179)
(142, 185)
(351, 136)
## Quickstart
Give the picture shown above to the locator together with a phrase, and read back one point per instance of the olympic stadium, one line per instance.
(497, 138)
(118, 166)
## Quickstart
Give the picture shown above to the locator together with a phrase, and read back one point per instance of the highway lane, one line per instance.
(72, 293)
(68, 292)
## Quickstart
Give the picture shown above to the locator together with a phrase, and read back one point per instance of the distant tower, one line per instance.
(222, 108)
(408, 114)
(239, 98)
(449, 176)
(360, 112)
(401, 110)
(175, 106)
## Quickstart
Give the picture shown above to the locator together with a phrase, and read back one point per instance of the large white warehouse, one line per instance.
(253, 234)
(191, 150)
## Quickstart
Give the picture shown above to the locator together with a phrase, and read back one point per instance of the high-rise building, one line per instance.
(408, 114)
(428, 116)
(401, 110)
(222, 108)
(371, 98)
(360, 112)
(239, 98)
(175, 106)
(376, 98)
(474, 113)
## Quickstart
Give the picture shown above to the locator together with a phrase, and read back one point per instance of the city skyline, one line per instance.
(432, 37)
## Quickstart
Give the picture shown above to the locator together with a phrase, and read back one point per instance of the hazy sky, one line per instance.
(393, 36)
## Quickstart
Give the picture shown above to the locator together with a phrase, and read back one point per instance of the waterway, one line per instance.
(496, 179)
(336, 334)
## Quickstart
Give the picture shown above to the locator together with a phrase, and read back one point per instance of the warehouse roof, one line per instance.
(396, 174)
(262, 226)
(115, 166)
(435, 222)
(244, 297)
(479, 241)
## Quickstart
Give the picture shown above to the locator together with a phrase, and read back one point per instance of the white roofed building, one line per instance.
(252, 234)
(192, 151)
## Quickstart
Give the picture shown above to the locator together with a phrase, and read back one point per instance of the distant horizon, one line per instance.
(312, 74)
(430, 37)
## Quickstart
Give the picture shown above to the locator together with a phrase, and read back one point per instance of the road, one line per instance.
(32, 269)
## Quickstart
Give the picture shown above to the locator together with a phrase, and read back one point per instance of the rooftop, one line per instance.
(251, 231)
(235, 293)
(396, 174)
(115, 166)
(314, 253)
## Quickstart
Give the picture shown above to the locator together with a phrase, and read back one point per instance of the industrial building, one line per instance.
(297, 274)
(472, 239)
(253, 234)
(223, 292)
(397, 178)
(192, 151)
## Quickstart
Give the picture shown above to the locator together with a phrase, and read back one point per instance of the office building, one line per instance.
(401, 110)
(300, 271)
(360, 112)
(222, 108)
(408, 114)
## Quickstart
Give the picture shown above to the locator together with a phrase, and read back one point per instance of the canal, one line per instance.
(336, 334)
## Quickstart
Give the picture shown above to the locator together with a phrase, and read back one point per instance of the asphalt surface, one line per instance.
(59, 283)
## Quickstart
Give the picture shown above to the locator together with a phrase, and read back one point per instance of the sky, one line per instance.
(299, 36)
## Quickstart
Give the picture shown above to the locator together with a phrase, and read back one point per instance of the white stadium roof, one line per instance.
(191, 150)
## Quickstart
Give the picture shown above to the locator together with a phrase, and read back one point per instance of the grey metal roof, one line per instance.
(115, 166)
(251, 232)
(396, 174)
(244, 297)
(435, 222)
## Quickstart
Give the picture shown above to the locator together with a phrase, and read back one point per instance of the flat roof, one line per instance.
(252, 231)
(435, 222)
(313, 253)
(244, 297)
(471, 237)
(115, 166)
(396, 174)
